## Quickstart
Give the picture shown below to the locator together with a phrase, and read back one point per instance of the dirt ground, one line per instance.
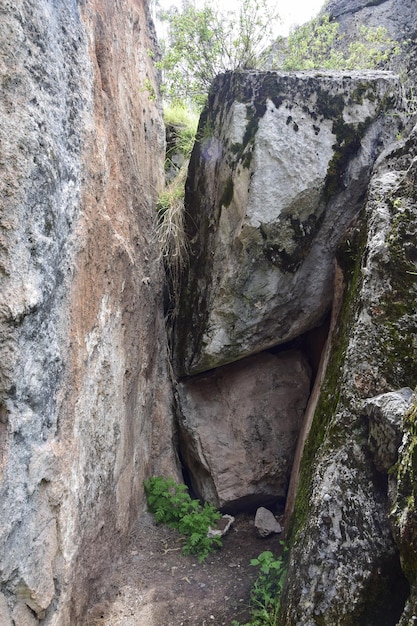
(155, 585)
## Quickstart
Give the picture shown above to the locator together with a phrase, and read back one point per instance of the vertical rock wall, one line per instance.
(344, 567)
(85, 402)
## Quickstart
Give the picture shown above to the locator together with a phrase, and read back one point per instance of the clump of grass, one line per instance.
(185, 121)
(182, 123)
(171, 234)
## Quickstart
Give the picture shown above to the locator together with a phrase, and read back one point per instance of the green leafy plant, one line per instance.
(318, 44)
(181, 122)
(265, 598)
(172, 505)
(202, 42)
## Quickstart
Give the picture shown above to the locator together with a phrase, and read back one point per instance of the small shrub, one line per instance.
(318, 45)
(170, 224)
(265, 597)
(171, 504)
(185, 121)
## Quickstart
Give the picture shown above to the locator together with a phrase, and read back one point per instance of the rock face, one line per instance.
(385, 413)
(280, 170)
(344, 566)
(399, 17)
(403, 514)
(84, 393)
(239, 426)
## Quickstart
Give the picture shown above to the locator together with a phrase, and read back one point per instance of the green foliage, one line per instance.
(204, 42)
(267, 589)
(171, 504)
(183, 122)
(150, 89)
(318, 45)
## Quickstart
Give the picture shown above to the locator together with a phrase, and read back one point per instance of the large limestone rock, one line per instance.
(344, 567)
(84, 398)
(239, 426)
(280, 170)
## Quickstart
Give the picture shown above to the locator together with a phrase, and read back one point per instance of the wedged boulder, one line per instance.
(385, 414)
(280, 169)
(239, 427)
(345, 567)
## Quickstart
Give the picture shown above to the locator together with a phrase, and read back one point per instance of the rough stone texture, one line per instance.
(280, 170)
(385, 414)
(4, 612)
(399, 17)
(23, 616)
(265, 522)
(84, 393)
(403, 515)
(344, 567)
(239, 427)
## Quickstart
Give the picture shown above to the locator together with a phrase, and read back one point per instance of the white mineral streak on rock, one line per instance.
(237, 122)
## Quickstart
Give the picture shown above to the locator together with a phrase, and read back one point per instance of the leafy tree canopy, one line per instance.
(202, 43)
(318, 44)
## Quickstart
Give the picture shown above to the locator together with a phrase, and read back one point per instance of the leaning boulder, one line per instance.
(239, 426)
(280, 169)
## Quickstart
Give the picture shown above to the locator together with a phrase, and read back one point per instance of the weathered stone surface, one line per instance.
(403, 514)
(344, 567)
(22, 616)
(281, 169)
(385, 414)
(265, 522)
(399, 17)
(84, 390)
(4, 612)
(239, 427)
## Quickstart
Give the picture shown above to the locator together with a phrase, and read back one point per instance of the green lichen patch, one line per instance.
(396, 317)
(347, 145)
(349, 257)
(363, 91)
(404, 515)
